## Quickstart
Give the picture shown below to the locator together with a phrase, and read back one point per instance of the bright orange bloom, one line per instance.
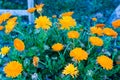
(67, 14)
(96, 41)
(57, 47)
(94, 19)
(95, 30)
(110, 32)
(31, 10)
(1, 28)
(39, 7)
(35, 61)
(73, 34)
(116, 23)
(19, 44)
(100, 25)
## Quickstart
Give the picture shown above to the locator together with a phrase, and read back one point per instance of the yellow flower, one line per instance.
(43, 22)
(105, 62)
(13, 69)
(96, 41)
(110, 32)
(116, 23)
(67, 14)
(94, 19)
(19, 44)
(78, 54)
(95, 30)
(67, 22)
(1, 28)
(100, 25)
(57, 47)
(39, 7)
(31, 10)
(10, 25)
(73, 34)
(70, 69)
(35, 61)
(5, 50)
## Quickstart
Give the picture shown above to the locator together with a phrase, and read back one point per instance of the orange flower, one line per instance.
(19, 44)
(35, 61)
(57, 47)
(110, 32)
(94, 19)
(31, 10)
(73, 34)
(100, 25)
(96, 41)
(67, 14)
(1, 28)
(95, 30)
(116, 23)
(39, 7)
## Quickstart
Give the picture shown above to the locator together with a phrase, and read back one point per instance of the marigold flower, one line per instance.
(19, 44)
(105, 62)
(31, 10)
(94, 19)
(95, 30)
(13, 69)
(5, 50)
(35, 61)
(43, 22)
(1, 28)
(73, 34)
(110, 32)
(96, 41)
(78, 54)
(57, 47)
(10, 25)
(39, 7)
(67, 22)
(116, 23)
(100, 25)
(70, 69)
(67, 14)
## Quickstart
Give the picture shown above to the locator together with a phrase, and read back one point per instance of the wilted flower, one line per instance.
(31, 10)
(96, 41)
(35, 61)
(73, 34)
(39, 7)
(57, 47)
(116, 23)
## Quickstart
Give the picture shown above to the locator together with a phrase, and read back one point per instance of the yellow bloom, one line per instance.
(35, 61)
(79, 54)
(116, 23)
(43, 22)
(67, 14)
(100, 25)
(1, 28)
(39, 7)
(70, 69)
(110, 32)
(19, 44)
(57, 47)
(95, 30)
(105, 62)
(10, 25)
(67, 22)
(5, 50)
(13, 69)
(73, 34)
(31, 10)
(96, 41)
(94, 19)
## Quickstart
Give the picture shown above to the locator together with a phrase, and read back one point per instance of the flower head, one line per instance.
(5, 50)
(39, 7)
(67, 22)
(79, 54)
(1, 28)
(31, 10)
(70, 69)
(67, 14)
(96, 41)
(100, 25)
(35, 61)
(105, 62)
(57, 47)
(73, 34)
(13, 69)
(94, 19)
(19, 44)
(116, 23)
(95, 30)
(43, 22)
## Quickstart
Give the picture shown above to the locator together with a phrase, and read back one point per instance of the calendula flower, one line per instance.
(35, 61)
(110, 32)
(19, 44)
(116, 23)
(105, 62)
(57, 47)
(67, 22)
(96, 41)
(73, 34)
(1, 28)
(94, 19)
(95, 30)
(43, 22)
(67, 14)
(5, 50)
(100, 25)
(13, 69)
(31, 10)
(70, 69)
(10, 25)
(39, 7)
(78, 54)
